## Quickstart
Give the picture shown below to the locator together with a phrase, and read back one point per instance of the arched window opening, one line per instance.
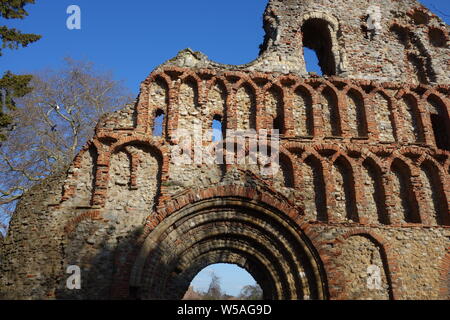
(246, 108)
(275, 108)
(413, 125)
(287, 171)
(375, 192)
(314, 185)
(419, 60)
(434, 190)
(403, 193)
(303, 113)
(402, 34)
(159, 94)
(420, 17)
(217, 128)
(345, 190)
(332, 125)
(357, 114)
(437, 37)
(317, 37)
(370, 250)
(419, 67)
(93, 154)
(441, 132)
(277, 124)
(223, 282)
(158, 124)
(440, 123)
(384, 118)
(188, 95)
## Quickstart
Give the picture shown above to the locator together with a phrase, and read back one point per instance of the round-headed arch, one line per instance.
(251, 234)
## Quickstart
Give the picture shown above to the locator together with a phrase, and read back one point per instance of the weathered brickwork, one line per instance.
(362, 180)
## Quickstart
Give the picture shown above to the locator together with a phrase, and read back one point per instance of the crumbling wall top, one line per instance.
(399, 41)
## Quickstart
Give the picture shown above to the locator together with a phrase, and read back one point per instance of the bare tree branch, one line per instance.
(53, 123)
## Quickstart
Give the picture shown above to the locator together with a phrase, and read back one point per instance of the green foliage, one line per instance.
(13, 38)
(13, 86)
(13, 9)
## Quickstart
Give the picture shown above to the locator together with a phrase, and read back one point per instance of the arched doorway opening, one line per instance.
(248, 233)
(224, 281)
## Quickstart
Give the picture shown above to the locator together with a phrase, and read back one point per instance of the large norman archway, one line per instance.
(255, 236)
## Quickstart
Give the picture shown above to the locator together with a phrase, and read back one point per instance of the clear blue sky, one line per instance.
(132, 37)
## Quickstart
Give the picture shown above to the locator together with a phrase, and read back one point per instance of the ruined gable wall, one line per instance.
(122, 176)
(411, 46)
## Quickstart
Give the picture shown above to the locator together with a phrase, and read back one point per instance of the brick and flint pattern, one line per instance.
(363, 175)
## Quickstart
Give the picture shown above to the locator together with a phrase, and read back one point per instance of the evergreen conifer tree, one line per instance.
(12, 86)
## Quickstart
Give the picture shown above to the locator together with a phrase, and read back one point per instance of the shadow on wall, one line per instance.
(211, 231)
(97, 259)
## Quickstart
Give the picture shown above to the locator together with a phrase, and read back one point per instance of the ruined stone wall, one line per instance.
(396, 190)
(410, 46)
(34, 238)
(363, 173)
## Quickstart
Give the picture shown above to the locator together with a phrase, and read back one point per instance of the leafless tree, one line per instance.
(52, 123)
(251, 292)
(214, 291)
